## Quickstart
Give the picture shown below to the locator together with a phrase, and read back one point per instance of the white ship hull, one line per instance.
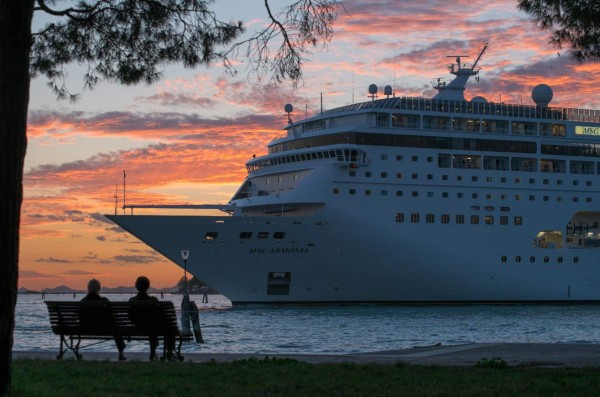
(407, 200)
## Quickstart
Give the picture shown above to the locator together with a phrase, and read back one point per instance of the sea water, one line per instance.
(340, 329)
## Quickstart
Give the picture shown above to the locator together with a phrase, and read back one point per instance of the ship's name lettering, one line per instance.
(279, 250)
(584, 130)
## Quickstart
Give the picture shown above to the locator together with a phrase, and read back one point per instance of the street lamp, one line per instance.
(185, 254)
(185, 301)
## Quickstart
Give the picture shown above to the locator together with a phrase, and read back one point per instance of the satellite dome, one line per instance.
(387, 90)
(373, 89)
(542, 94)
(288, 108)
(479, 99)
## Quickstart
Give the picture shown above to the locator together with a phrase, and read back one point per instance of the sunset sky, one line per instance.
(186, 139)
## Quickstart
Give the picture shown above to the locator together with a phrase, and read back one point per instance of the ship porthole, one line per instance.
(532, 259)
(518, 259)
(560, 259)
(503, 259)
(546, 259)
(576, 259)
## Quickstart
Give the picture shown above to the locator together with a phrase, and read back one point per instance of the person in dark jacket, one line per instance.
(142, 284)
(90, 317)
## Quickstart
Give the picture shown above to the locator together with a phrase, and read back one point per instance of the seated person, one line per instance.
(92, 316)
(142, 284)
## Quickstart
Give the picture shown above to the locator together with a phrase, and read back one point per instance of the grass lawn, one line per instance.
(283, 377)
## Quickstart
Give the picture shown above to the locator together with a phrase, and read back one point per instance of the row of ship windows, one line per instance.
(504, 163)
(532, 259)
(460, 195)
(460, 178)
(398, 120)
(247, 235)
(459, 219)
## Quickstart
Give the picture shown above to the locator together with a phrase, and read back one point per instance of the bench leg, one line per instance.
(69, 343)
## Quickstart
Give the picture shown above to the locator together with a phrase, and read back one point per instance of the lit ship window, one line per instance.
(211, 235)
(263, 235)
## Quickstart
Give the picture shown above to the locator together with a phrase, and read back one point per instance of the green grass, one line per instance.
(283, 377)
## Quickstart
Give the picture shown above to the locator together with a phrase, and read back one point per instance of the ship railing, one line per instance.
(468, 107)
(221, 207)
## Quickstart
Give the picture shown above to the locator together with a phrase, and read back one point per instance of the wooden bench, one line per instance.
(77, 321)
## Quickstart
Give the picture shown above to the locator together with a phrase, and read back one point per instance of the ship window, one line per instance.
(459, 195)
(489, 220)
(559, 198)
(460, 219)
(444, 161)
(495, 163)
(553, 166)
(444, 177)
(320, 155)
(546, 259)
(518, 220)
(429, 194)
(352, 173)
(415, 176)
(414, 218)
(429, 176)
(245, 235)
(336, 190)
(504, 220)
(399, 175)
(575, 199)
(588, 200)
(489, 196)
(430, 218)
(415, 158)
(489, 179)
(517, 180)
(531, 198)
(211, 235)
(399, 193)
(503, 179)
(368, 174)
(466, 161)
(524, 128)
(559, 182)
(399, 217)
(445, 218)
(470, 125)
(384, 156)
(474, 195)
(582, 167)
(531, 181)
(517, 197)
(588, 183)
(518, 259)
(459, 178)
(263, 235)
(384, 192)
(352, 191)
(553, 129)
(405, 121)
(495, 126)
(474, 178)
(546, 198)
(430, 159)
(532, 259)
(415, 193)
(545, 181)
(445, 194)
(474, 219)
(503, 259)
(384, 174)
(523, 164)
(368, 192)
(436, 123)
(399, 157)
(279, 235)
(575, 183)
(504, 209)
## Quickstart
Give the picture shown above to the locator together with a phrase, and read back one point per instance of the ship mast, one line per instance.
(456, 88)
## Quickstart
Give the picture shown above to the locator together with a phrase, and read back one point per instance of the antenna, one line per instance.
(289, 109)
(116, 197)
(124, 176)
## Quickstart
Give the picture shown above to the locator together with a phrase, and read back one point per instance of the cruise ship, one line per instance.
(405, 200)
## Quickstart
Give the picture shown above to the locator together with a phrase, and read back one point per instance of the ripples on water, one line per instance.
(341, 329)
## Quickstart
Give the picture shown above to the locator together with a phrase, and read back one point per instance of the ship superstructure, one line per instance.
(407, 200)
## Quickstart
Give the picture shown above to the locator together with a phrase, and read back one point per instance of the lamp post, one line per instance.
(185, 254)
(185, 301)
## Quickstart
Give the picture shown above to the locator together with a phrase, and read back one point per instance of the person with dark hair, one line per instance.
(142, 284)
(90, 317)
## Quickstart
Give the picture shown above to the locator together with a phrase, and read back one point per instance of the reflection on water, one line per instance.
(341, 329)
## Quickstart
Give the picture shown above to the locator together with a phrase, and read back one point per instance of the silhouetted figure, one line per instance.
(90, 317)
(142, 284)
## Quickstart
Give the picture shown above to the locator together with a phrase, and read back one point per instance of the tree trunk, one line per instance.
(15, 45)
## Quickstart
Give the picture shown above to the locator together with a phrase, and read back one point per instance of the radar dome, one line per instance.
(542, 94)
(387, 90)
(373, 89)
(289, 108)
(479, 99)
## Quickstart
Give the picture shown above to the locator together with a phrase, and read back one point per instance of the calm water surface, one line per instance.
(341, 329)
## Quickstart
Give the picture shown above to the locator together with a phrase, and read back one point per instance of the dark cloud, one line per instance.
(135, 258)
(101, 238)
(51, 259)
(75, 272)
(35, 274)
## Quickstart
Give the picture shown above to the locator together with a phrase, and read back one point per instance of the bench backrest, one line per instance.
(112, 318)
